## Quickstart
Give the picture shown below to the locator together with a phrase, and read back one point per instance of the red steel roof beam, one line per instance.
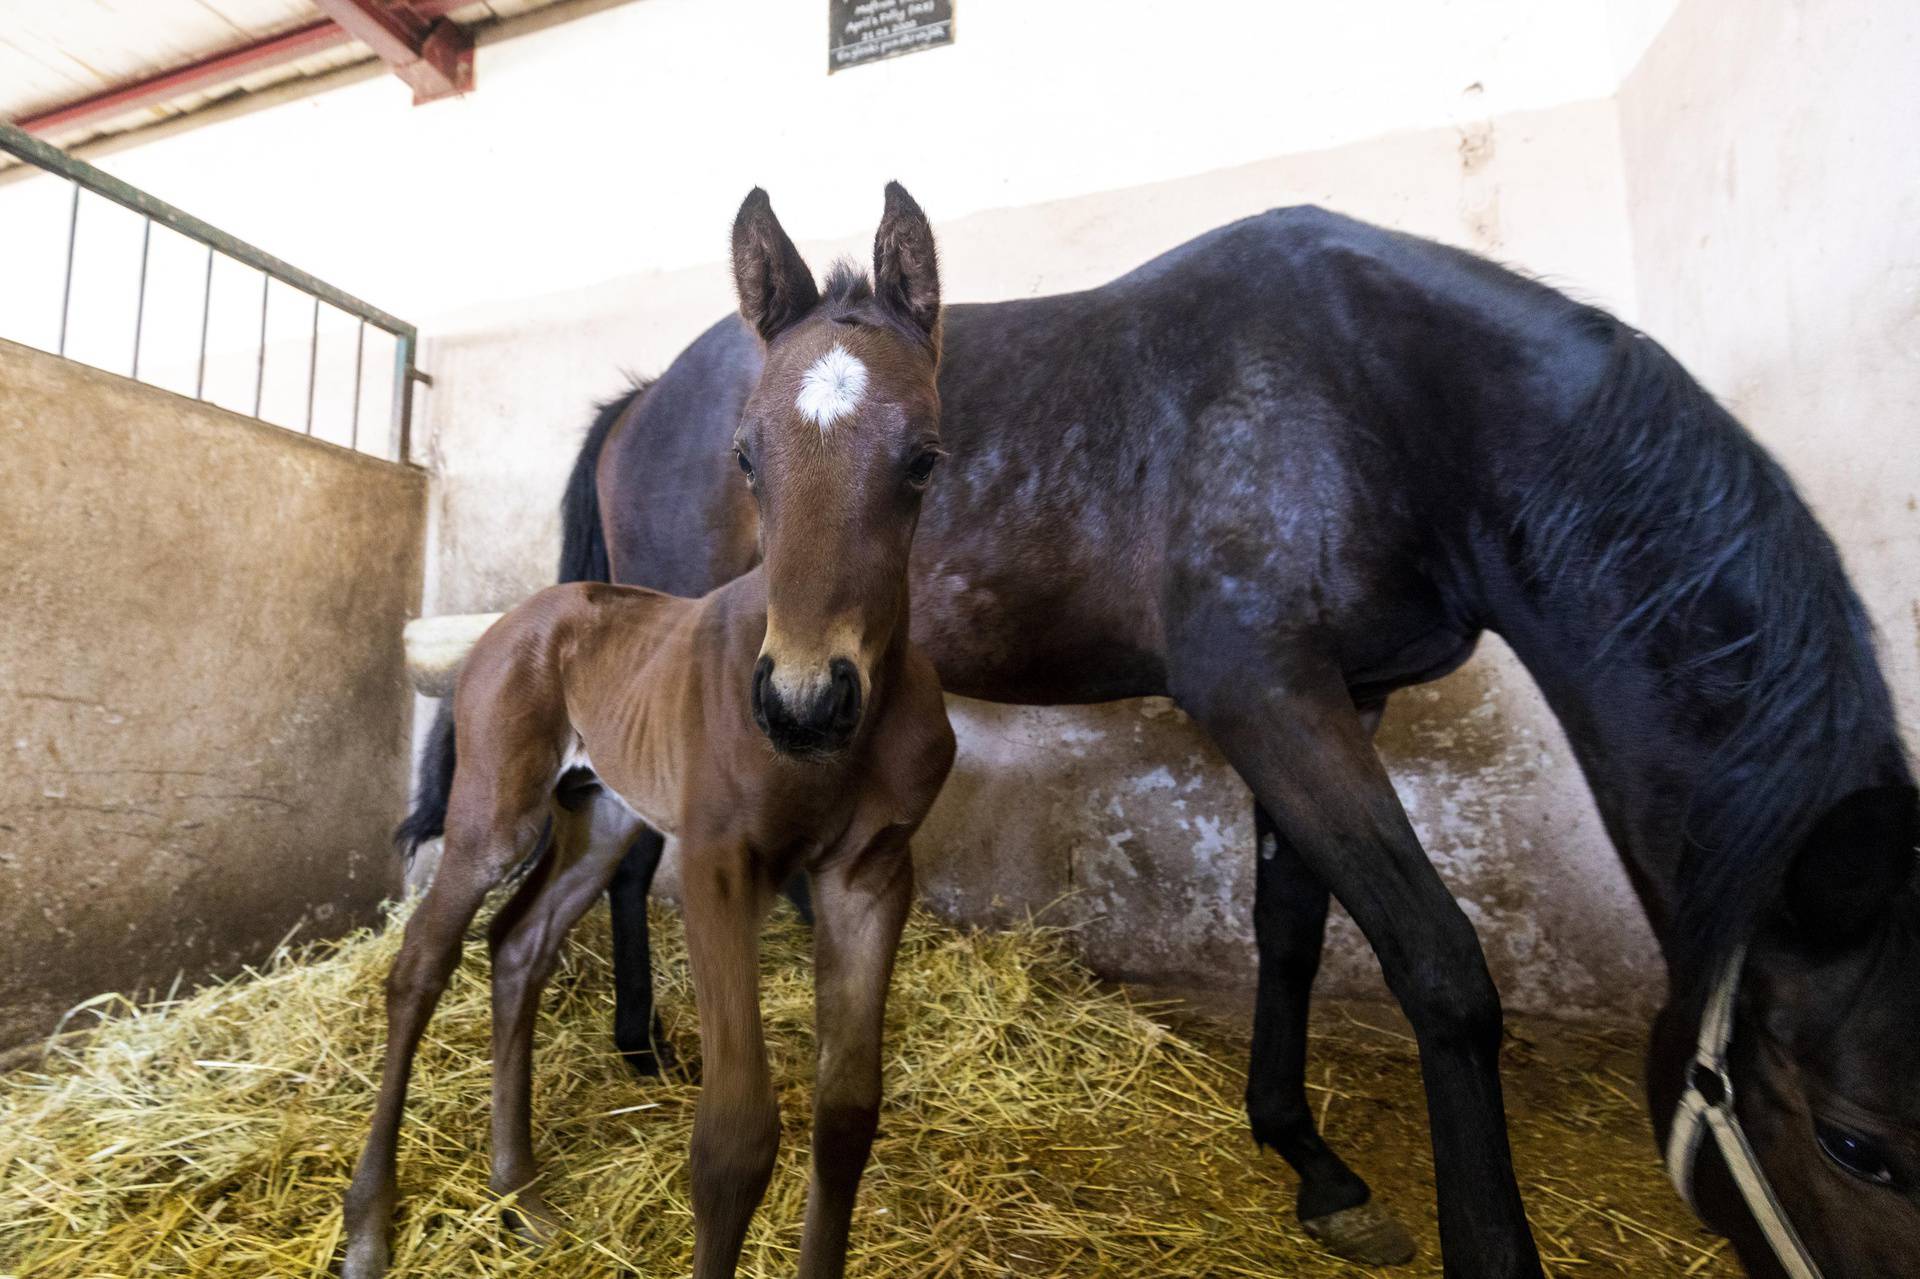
(207, 75)
(432, 55)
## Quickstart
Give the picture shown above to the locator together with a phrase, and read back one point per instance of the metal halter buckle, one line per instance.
(1706, 1106)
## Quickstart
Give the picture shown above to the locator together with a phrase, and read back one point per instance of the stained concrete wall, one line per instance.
(202, 704)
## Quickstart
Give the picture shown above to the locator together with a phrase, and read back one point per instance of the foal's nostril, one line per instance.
(762, 676)
(846, 693)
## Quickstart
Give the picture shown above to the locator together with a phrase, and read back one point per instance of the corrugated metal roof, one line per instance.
(53, 54)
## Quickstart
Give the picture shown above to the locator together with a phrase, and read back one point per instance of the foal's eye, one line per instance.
(746, 467)
(920, 470)
(1856, 1155)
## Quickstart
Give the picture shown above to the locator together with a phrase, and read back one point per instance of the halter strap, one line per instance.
(1706, 1106)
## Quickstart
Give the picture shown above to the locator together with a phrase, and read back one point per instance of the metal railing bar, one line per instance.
(260, 367)
(140, 298)
(206, 313)
(51, 158)
(313, 362)
(66, 290)
(359, 354)
(403, 375)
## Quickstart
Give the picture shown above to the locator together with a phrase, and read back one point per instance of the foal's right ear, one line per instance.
(773, 282)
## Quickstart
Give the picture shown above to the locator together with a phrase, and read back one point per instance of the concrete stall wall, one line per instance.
(201, 687)
(1773, 191)
(1055, 146)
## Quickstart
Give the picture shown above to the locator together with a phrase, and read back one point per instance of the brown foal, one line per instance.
(780, 722)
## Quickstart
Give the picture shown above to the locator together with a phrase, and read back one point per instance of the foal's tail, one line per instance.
(429, 816)
(583, 558)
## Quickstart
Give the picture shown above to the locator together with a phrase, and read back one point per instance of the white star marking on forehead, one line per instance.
(832, 388)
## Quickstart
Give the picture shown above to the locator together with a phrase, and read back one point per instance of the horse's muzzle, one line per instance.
(818, 718)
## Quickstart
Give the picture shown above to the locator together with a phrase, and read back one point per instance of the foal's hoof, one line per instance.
(367, 1257)
(531, 1217)
(1366, 1233)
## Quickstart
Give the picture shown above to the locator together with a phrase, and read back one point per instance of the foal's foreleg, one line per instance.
(429, 952)
(860, 906)
(736, 1128)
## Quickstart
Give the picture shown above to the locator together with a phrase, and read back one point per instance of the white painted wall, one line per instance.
(569, 220)
(622, 143)
(1773, 172)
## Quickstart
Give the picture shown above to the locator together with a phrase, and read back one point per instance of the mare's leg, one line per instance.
(862, 904)
(1303, 748)
(525, 939)
(473, 861)
(800, 895)
(736, 1128)
(1289, 927)
(636, 1027)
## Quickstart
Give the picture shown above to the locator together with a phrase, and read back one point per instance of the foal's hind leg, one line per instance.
(469, 867)
(1289, 925)
(525, 940)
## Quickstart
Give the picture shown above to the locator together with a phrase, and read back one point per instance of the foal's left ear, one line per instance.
(1852, 864)
(906, 276)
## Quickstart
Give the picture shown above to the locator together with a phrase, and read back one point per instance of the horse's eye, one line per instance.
(1856, 1155)
(920, 470)
(746, 467)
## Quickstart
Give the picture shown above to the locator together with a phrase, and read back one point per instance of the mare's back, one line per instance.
(677, 518)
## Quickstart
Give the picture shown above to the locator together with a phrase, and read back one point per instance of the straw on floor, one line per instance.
(1036, 1124)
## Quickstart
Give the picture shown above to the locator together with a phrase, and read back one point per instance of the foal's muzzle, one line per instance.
(807, 716)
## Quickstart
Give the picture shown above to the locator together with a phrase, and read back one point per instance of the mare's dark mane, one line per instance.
(583, 549)
(1710, 568)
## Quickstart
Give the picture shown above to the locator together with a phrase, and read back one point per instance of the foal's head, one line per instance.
(838, 442)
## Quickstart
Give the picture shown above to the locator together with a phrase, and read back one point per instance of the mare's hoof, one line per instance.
(653, 1057)
(1366, 1233)
(531, 1217)
(650, 1062)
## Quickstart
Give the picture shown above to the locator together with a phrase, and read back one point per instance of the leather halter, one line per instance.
(1706, 1106)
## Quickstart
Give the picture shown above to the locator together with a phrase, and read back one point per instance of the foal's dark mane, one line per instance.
(1713, 572)
(846, 285)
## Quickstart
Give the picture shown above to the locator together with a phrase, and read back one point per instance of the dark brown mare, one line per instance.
(591, 710)
(1301, 462)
